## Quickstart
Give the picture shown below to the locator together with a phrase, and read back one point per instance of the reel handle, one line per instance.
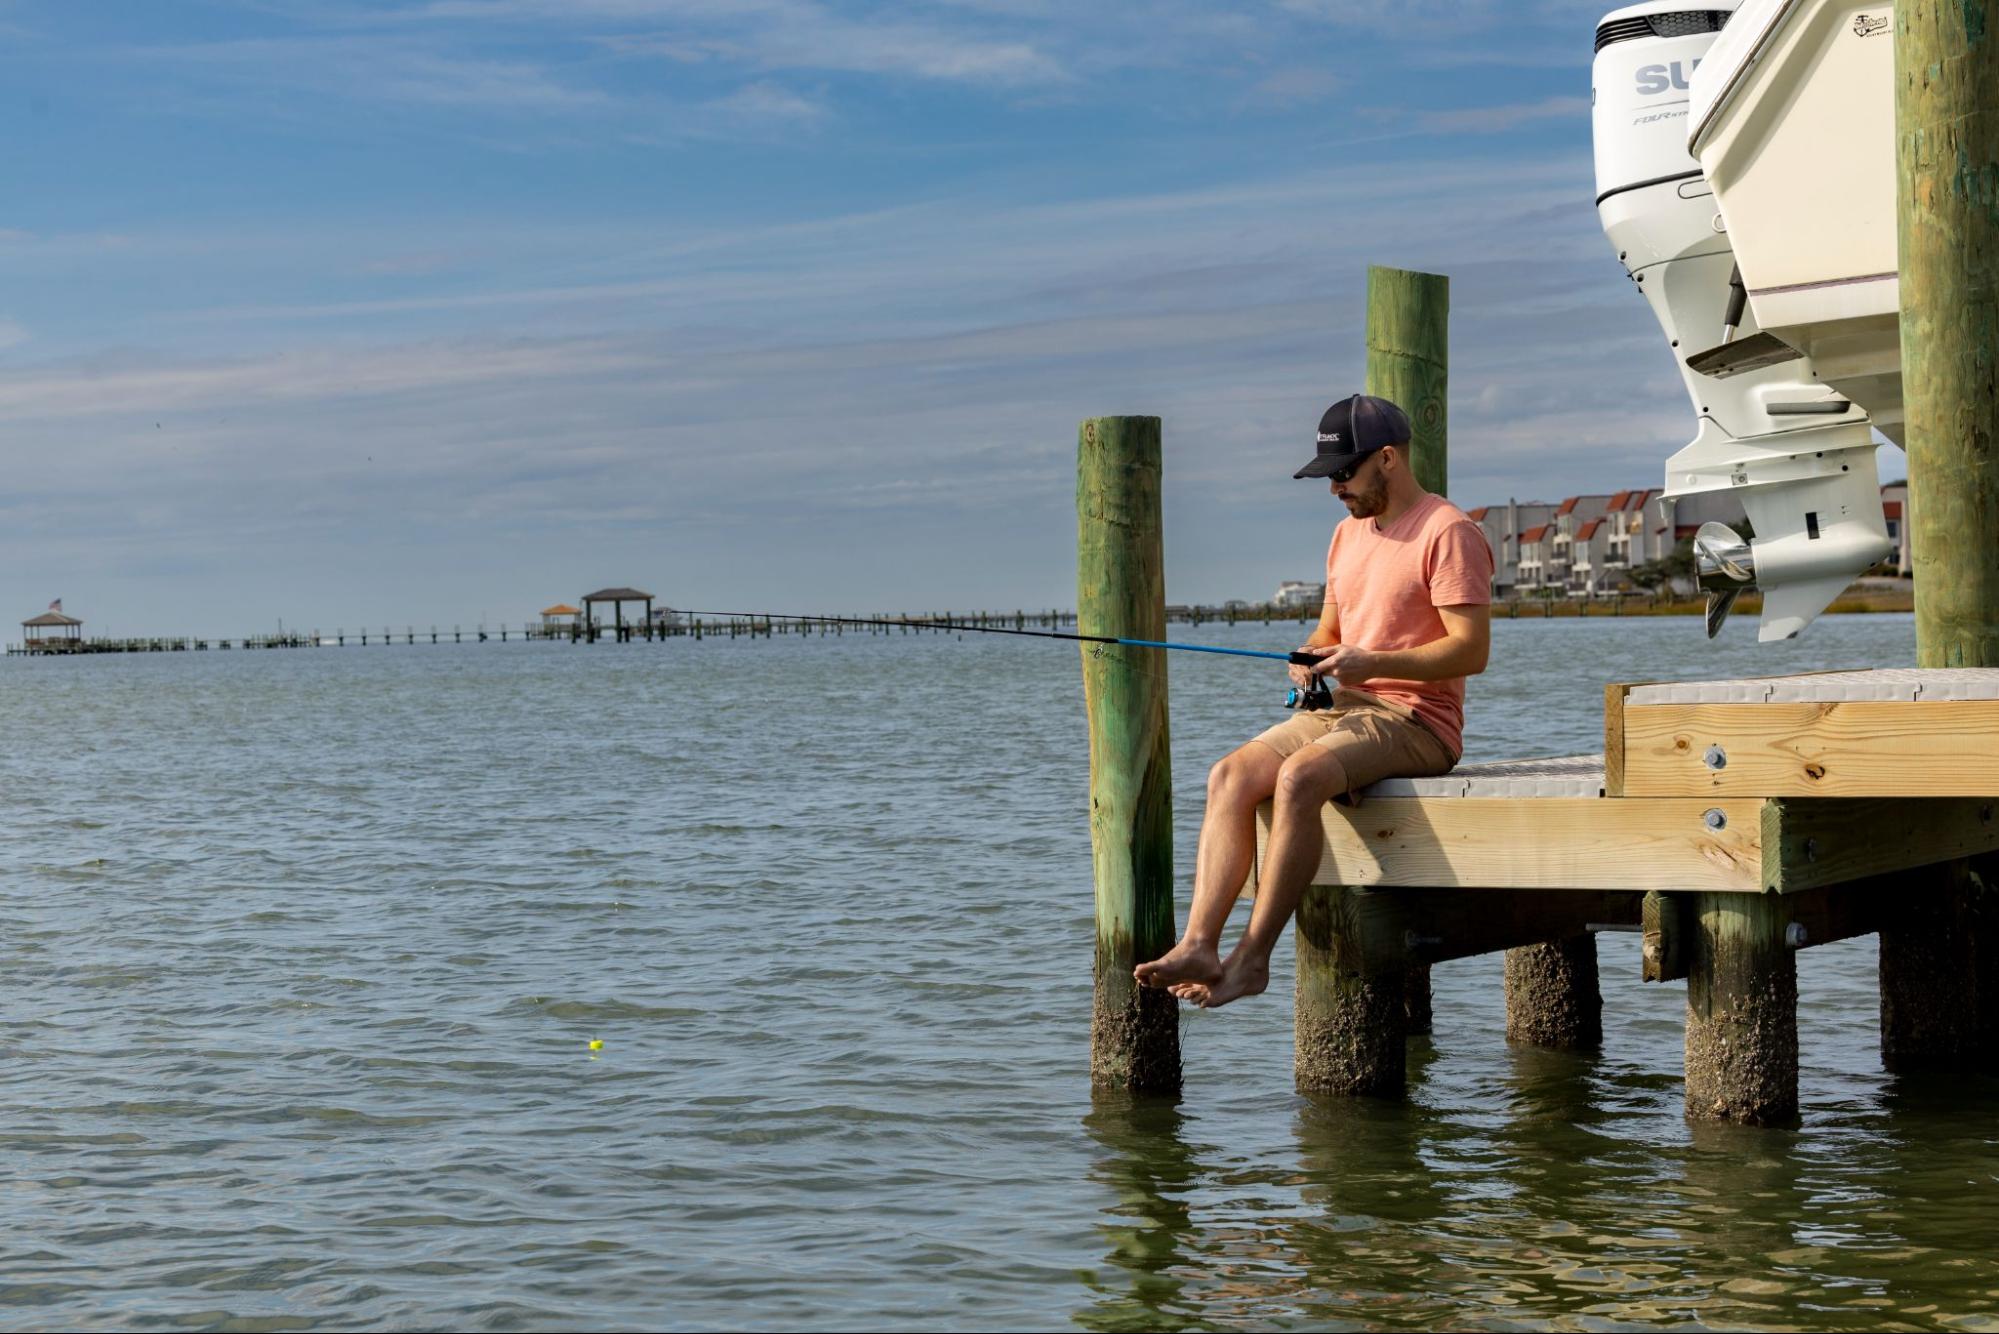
(1314, 696)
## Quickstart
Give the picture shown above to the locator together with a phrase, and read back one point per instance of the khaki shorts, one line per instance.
(1372, 738)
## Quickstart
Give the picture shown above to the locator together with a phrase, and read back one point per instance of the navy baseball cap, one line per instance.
(1352, 429)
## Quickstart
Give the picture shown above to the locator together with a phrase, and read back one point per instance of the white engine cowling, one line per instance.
(1797, 456)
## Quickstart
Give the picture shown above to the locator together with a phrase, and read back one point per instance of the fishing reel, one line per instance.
(1315, 696)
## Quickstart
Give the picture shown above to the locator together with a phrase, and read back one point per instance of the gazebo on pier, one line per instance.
(617, 597)
(58, 633)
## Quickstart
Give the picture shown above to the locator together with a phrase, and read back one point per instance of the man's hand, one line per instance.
(1343, 662)
(1348, 665)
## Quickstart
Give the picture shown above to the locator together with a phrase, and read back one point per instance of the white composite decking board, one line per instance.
(1880, 683)
(1548, 776)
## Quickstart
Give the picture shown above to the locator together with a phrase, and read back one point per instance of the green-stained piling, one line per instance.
(1947, 163)
(1947, 120)
(1121, 592)
(1408, 361)
(1351, 1019)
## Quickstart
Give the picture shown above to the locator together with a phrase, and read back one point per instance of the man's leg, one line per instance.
(1305, 783)
(1236, 785)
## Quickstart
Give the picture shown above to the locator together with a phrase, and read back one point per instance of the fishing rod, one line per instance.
(1315, 696)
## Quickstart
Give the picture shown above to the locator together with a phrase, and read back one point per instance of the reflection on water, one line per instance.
(1539, 1208)
(1148, 1168)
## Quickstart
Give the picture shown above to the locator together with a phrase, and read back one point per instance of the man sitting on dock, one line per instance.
(1407, 619)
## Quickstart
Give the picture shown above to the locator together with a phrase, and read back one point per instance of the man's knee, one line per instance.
(1244, 776)
(1311, 778)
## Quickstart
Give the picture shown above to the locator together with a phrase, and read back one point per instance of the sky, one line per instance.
(431, 312)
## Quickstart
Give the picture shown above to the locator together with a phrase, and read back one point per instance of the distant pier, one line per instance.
(670, 625)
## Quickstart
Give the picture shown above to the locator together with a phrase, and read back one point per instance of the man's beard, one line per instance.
(1366, 504)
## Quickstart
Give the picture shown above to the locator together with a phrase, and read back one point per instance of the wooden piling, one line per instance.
(1552, 995)
(1742, 1012)
(1121, 592)
(1947, 115)
(1408, 354)
(1930, 994)
(1351, 1012)
(1408, 357)
(1552, 990)
(1947, 163)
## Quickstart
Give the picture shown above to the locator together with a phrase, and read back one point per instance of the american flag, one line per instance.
(56, 605)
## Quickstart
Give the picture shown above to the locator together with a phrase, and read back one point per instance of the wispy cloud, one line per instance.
(768, 103)
(796, 35)
(1294, 85)
(1500, 119)
(375, 68)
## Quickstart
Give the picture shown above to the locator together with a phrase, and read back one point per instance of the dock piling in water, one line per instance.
(1553, 997)
(1947, 158)
(1351, 1010)
(1121, 592)
(1742, 1012)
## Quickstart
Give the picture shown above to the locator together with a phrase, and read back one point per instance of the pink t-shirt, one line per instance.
(1389, 582)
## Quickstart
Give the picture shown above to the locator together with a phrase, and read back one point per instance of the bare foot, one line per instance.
(1240, 977)
(1184, 963)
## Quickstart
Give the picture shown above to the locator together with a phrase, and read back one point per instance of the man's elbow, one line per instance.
(1477, 655)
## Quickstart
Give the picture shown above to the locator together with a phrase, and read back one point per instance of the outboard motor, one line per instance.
(1797, 457)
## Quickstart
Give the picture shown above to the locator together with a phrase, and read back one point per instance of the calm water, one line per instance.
(304, 952)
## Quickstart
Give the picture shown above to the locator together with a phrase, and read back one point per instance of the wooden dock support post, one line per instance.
(1408, 363)
(1742, 1012)
(1947, 158)
(1121, 592)
(1352, 1017)
(1930, 994)
(1552, 994)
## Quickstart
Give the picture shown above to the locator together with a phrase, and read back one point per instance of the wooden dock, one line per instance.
(1735, 823)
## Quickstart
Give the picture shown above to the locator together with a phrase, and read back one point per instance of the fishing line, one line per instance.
(1315, 696)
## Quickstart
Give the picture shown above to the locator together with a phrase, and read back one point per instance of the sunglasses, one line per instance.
(1346, 474)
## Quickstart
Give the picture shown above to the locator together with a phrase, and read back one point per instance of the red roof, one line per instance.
(1569, 505)
(1478, 515)
(1617, 501)
(1588, 530)
(1892, 509)
(1534, 534)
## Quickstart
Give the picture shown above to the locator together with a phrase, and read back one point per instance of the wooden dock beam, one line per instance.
(1121, 592)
